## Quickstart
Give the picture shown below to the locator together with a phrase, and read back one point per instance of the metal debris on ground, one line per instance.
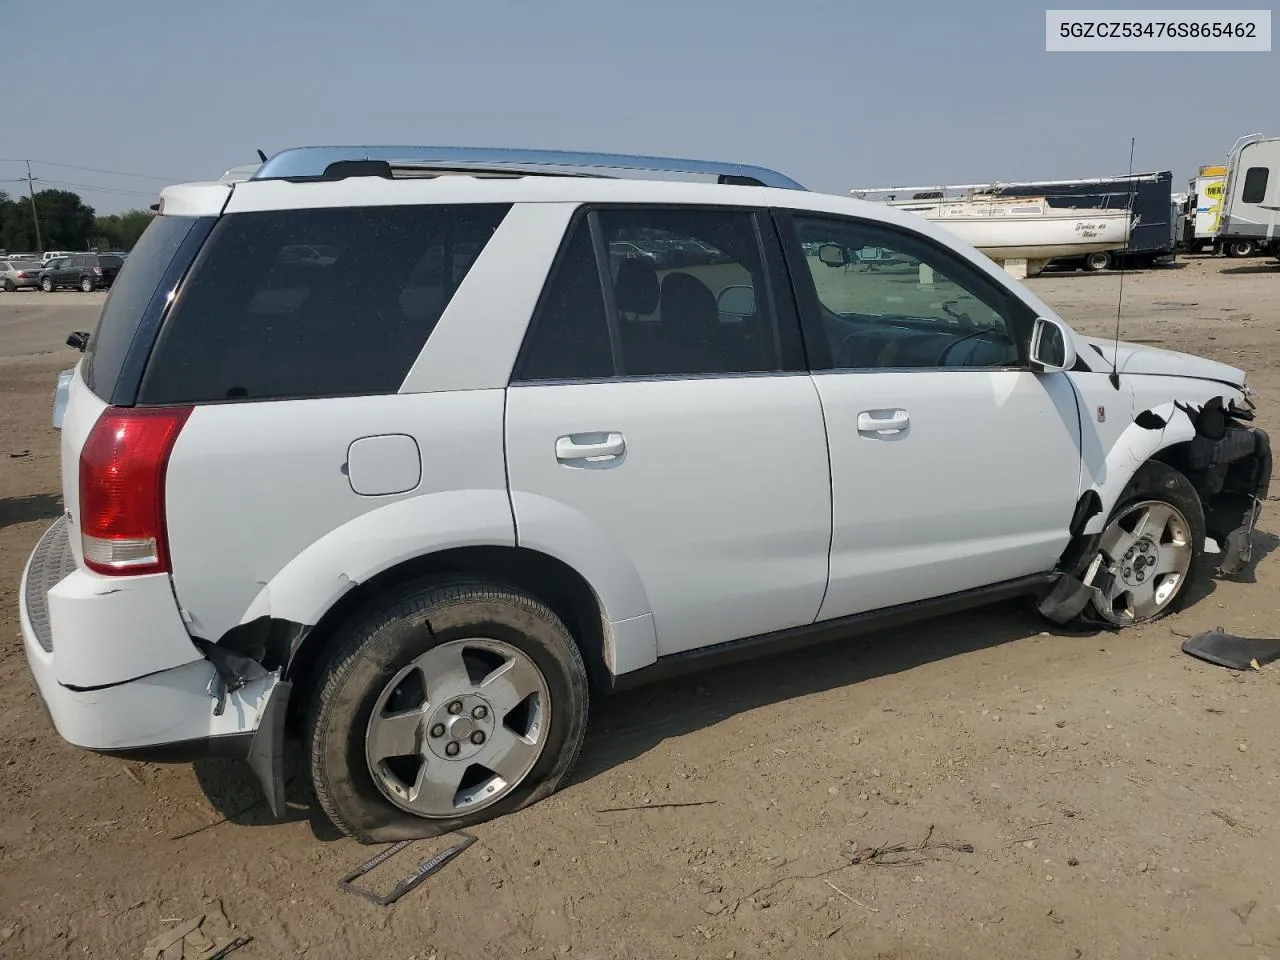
(191, 941)
(420, 872)
(906, 854)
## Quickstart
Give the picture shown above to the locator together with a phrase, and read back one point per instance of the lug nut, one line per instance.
(1129, 555)
(479, 713)
(478, 737)
(437, 730)
(1128, 573)
(456, 707)
(1141, 576)
(452, 748)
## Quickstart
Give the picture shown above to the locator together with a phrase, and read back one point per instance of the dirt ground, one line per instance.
(1115, 794)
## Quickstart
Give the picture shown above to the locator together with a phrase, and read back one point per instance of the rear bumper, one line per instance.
(162, 710)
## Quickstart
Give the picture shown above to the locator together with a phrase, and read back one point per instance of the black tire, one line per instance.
(87, 284)
(375, 645)
(1161, 482)
(1240, 248)
(1100, 260)
(9, 286)
(46, 284)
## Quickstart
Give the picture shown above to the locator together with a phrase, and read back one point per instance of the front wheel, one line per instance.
(46, 285)
(1100, 260)
(445, 705)
(1149, 548)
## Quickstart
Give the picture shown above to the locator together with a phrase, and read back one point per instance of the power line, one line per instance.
(117, 173)
(90, 187)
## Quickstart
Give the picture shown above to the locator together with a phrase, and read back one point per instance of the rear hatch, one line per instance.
(108, 267)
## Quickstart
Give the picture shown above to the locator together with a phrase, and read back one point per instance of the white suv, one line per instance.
(416, 497)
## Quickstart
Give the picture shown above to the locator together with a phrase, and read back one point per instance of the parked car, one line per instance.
(84, 271)
(19, 274)
(419, 515)
(55, 255)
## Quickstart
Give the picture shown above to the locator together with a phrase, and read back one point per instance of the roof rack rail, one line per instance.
(314, 163)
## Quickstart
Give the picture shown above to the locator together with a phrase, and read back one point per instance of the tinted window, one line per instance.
(885, 298)
(569, 336)
(110, 263)
(1255, 185)
(690, 294)
(313, 303)
(130, 294)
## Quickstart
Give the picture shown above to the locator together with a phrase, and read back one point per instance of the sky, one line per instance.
(835, 93)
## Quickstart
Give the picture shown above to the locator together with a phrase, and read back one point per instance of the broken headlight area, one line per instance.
(1228, 461)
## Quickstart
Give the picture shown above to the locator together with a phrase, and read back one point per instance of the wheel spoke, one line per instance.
(436, 787)
(511, 684)
(1143, 599)
(1174, 558)
(445, 673)
(395, 735)
(509, 755)
(1116, 541)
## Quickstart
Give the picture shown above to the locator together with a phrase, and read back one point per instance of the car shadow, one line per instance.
(630, 724)
(38, 506)
(1271, 267)
(233, 790)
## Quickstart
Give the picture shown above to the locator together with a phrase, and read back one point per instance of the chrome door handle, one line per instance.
(883, 422)
(590, 446)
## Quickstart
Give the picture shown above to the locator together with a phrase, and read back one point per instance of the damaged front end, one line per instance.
(1229, 463)
(1227, 460)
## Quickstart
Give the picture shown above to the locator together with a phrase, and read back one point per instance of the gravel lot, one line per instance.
(1116, 793)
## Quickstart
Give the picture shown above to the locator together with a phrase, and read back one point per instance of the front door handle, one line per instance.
(883, 422)
(594, 447)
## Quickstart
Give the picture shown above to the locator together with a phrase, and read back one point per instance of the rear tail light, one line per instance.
(98, 271)
(122, 473)
(22, 274)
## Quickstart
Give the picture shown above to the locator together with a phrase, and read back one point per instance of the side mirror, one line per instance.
(833, 255)
(1053, 349)
(737, 301)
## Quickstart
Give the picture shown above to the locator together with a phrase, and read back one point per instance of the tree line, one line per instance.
(66, 223)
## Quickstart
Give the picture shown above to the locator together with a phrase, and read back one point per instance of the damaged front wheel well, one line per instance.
(552, 581)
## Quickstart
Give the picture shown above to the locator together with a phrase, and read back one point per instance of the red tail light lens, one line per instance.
(122, 472)
(98, 271)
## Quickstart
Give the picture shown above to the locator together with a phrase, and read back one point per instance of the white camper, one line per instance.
(1251, 204)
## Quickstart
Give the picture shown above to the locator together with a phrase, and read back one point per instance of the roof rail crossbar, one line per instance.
(315, 162)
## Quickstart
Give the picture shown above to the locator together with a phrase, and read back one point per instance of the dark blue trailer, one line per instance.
(1154, 238)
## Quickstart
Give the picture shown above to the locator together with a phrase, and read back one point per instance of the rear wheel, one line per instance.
(1240, 248)
(1097, 261)
(46, 284)
(1150, 548)
(87, 284)
(10, 286)
(447, 704)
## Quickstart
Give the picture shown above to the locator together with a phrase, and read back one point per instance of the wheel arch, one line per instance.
(547, 578)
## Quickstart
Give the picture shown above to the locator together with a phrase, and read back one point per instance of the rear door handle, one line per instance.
(594, 447)
(883, 422)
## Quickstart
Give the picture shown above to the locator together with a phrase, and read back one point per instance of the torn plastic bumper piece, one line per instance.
(1228, 650)
(266, 750)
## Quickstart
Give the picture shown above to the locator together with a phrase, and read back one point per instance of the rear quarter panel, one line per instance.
(251, 486)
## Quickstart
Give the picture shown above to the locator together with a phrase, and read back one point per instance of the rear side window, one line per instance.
(314, 303)
(1255, 185)
(137, 283)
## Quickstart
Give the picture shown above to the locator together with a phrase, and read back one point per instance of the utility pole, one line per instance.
(35, 217)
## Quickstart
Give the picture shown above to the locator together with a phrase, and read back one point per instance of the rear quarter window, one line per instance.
(314, 303)
(135, 297)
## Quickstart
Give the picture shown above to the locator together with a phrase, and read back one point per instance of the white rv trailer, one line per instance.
(1251, 201)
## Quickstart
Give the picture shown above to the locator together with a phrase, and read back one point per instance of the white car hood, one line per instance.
(1141, 359)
